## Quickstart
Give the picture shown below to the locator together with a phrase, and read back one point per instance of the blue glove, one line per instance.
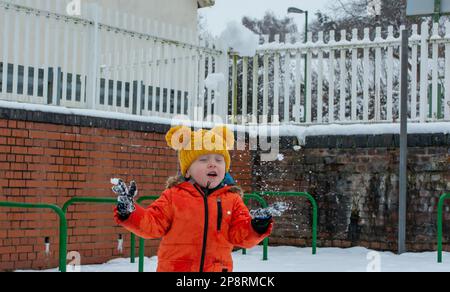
(125, 198)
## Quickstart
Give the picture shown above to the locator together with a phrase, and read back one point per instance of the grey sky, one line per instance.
(233, 10)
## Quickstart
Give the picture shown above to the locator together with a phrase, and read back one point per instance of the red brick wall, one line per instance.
(355, 183)
(50, 163)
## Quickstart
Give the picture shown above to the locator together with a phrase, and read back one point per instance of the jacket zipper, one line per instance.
(219, 214)
(205, 230)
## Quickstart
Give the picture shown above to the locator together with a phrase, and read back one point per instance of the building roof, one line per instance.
(205, 3)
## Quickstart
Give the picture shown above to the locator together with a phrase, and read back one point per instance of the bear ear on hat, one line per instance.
(226, 135)
(179, 137)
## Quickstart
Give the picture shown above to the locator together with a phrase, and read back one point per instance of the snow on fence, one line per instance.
(104, 60)
(350, 80)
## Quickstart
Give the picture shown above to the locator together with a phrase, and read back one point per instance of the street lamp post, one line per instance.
(437, 10)
(300, 11)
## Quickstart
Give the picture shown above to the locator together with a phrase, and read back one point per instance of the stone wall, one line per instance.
(355, 182)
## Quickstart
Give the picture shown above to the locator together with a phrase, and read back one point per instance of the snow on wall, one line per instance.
(290, 130)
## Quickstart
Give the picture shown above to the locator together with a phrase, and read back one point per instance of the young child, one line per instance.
(199, 217)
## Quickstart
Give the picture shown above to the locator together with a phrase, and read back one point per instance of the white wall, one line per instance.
(176, 12)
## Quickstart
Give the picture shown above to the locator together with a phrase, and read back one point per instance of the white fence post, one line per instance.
(377, 80)
(26, 56)
(435, 71)
(195, 83)
(201, 84)
(308, 82)
(343, 79)
(222, 96)
(75, 67)
(177, 71)
(354, 76)
(169, 69)
(319, 80)
(94, 56)
(447, 73)
(287, 90)
(209, 92)
(424, 72)
(414, 44)
(366, 78)
(245, 90)
(15, 62)
(331, 79)
(298, 86)
(389, 64)
(5, 58)
(276, 85)
(265, 88)
(65, 62)
(37, 54)
(255, 89)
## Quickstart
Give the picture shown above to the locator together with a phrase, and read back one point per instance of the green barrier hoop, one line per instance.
(263, 204)
(62, 226)
(314, 206)
(439, 222)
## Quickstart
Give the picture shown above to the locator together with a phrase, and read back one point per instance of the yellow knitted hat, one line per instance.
(191, 145)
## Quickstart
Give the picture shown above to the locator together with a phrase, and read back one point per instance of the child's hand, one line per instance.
(261, 219)
(261, 224)
(125, 197)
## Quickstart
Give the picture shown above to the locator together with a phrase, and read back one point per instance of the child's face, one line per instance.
(208, 169)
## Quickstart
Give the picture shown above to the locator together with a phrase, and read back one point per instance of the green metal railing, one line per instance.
(61, 212)
(314, 206)
(263, 203)
(440, 219)
(141, 240)
(88, 200)
(132, 237)
(112, 201)
(62, 226)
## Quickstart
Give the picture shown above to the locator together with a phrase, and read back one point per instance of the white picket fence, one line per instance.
(111, 61)
(105, 60)
(347, 80)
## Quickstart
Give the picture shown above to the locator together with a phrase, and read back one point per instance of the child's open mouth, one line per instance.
(212, 174)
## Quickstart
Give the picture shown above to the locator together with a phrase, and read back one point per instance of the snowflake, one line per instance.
(374, 7)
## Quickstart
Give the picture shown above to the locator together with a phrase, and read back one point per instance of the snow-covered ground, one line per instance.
(293, 259)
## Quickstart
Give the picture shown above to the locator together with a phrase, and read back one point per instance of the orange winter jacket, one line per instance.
(198, 232)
